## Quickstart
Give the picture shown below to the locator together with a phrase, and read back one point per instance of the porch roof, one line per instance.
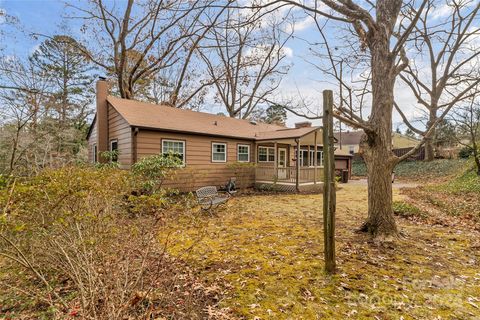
(288, 136)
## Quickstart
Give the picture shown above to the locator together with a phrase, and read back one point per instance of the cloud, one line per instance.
(287, 51)
(442, 11)
(3, 14)
(300, 25)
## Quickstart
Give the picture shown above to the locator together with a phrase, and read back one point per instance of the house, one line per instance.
(212, 148)
(349, 142)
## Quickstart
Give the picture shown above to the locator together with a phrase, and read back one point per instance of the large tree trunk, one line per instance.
(377, 144)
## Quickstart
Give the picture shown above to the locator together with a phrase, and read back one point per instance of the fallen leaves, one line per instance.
(269, 249)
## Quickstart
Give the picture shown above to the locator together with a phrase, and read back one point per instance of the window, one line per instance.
(114, 148)
(94, 153)
(303, 158)
(266, 154)
(219, 152)
(243, 153)
(310, 162)
(320, 158)
(351, 149)
(174, 147)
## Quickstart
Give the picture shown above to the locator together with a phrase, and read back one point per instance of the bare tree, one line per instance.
(373, 25)
(445, 68)
(245, 61)
(21, 110)
(467, 123)
(137, 40)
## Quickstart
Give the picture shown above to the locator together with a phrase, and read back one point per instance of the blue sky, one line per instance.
(46, 16)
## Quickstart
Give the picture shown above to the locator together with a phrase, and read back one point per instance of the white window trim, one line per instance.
(184, 160)
(311, 151)
(111, 143)
(219, 143)
(268, 153)
(111, 149)
(248, 152)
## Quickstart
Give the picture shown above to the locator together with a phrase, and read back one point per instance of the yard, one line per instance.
(259, 257)
(266, 250)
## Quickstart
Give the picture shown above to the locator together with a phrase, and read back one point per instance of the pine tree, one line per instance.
(71, 75)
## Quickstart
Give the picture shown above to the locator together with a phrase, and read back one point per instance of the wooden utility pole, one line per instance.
(329, 196)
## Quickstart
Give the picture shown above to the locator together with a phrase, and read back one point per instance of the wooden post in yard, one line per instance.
(297, 167)
(315, 158)
(329, 196)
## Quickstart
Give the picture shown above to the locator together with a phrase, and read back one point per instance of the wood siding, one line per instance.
(92, 139)
(120, 130)
(199, 169)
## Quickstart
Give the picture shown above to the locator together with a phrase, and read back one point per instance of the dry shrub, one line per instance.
(70, 229)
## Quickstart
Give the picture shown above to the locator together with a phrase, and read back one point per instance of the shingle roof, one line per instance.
(285, 133)
(348, 138)
(152, 116)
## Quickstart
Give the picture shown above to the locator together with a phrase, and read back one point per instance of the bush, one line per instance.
(465, 153)
(359, 168)
(86, 256)
(151, 171)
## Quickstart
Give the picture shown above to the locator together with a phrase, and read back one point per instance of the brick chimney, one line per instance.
(304, 124)
(102, 117)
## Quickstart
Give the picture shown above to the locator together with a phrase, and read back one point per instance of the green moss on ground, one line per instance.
(418, 170)
(268, 249)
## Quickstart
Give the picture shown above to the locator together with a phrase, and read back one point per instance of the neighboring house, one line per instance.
(212, 148)
(349, 141)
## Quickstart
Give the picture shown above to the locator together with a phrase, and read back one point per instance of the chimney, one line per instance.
(102, 117)
(304, 124)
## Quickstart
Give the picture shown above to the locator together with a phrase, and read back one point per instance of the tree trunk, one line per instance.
(380, 221)
(430, 142)
(376, 143)
(476, 157)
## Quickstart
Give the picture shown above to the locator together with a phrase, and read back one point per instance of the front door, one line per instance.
(282, 163)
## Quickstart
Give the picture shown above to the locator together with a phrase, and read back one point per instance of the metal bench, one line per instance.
(208, 197)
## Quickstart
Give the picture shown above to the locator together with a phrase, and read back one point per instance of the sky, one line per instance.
(45, 17)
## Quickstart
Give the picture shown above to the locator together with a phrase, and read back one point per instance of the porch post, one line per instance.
(297, 166)
(275, 162)
(315, 158)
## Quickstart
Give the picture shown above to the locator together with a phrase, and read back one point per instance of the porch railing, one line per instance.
(288, 174)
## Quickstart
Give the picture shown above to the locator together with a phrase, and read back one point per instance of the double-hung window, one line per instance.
(243, 153)
(175, 148)
(219, 152)
(266, 154)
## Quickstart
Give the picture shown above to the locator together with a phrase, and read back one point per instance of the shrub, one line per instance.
(86, 256)
(151, 171)
(110, 158)
(465, 153)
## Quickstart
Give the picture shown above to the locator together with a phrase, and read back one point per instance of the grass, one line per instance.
(418, 170)
(268, 250)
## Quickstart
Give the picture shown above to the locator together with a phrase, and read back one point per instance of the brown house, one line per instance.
(212, 148)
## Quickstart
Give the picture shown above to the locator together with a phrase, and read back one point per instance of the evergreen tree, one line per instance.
(71, 76)
(275, 114)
